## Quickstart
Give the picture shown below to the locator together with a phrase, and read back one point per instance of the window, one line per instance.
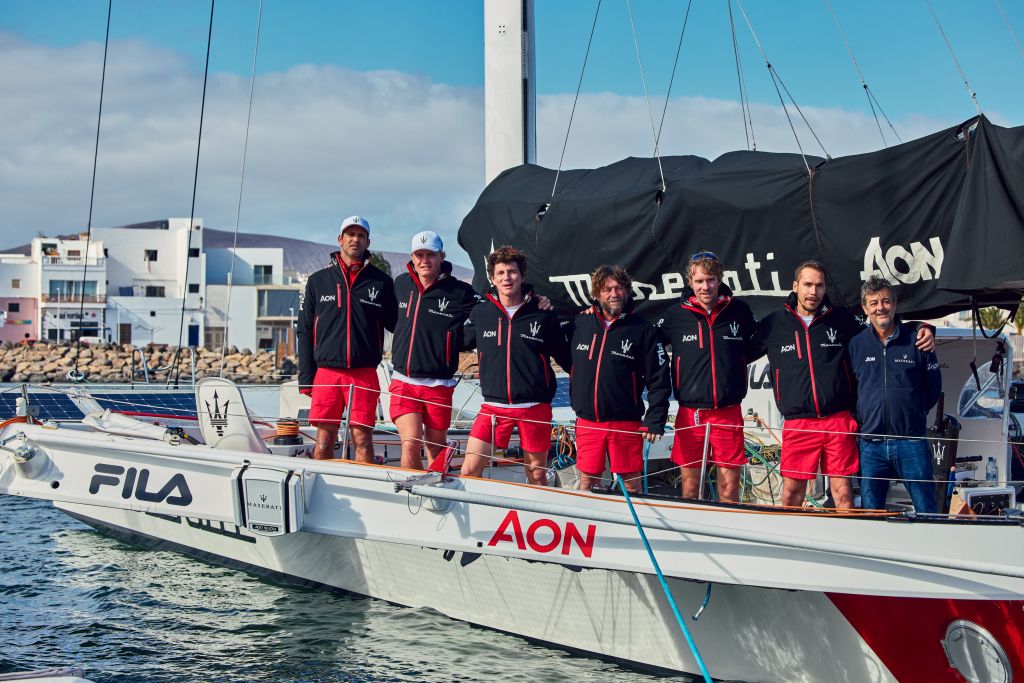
(74, 253)
(263, 275)
(106, 252)
(13, 307)
(192, 253)
(155, 290)
(152, 314)
(150, 255)
(193, 288)
(16, 283)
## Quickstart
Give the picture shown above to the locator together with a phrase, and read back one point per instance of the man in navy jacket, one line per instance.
(897, 384)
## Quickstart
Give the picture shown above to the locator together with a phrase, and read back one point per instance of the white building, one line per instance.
(264, 302)
(156, 277)
(19, 298)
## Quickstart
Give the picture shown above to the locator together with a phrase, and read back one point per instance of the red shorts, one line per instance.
(331, 391)
(534, 425)
(620, 439)
(829, 441)
(434, 403)
(725, 445)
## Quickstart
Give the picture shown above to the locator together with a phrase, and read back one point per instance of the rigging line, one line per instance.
(772, 73)
(672, 78)
(78, 376)
(884, 116)
(974, 95)
(195, 185)
(241, 185)
(860, 74)
(800, 111)
(647, 99)
(579, 86)
(748, 121)
(1013, 35)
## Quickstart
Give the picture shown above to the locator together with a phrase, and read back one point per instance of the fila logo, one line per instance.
(372, 293)
(442, 304)
(626, 345)
(326, 297)
(788, 347)
(136, 485)
(583, 347)
(534, 329)
(490, 334)
(831, 334)
(734, 327)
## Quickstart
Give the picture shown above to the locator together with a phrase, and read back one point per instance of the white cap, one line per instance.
(428, 240)
(354, 221)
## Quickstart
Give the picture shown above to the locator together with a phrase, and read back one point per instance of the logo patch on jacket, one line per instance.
(625, 345)
(326, 297)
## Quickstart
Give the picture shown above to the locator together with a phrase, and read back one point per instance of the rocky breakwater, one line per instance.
(41, 362)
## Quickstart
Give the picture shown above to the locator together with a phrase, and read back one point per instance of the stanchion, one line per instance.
(704, 459)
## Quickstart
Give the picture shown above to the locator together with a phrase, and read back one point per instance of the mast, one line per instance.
(510, 95)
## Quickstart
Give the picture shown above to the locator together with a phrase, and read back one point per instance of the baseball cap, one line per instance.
(354, 221)
(428, 240)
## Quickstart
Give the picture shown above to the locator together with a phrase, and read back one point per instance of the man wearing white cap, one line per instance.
(345, 310)
(432, 308)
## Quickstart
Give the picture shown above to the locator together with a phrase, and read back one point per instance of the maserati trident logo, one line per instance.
(626, 345)
(734, 327)
(263, 498)
(372, 293)
(832, 335)
(534, 329)
(218, 414)
(442, 304)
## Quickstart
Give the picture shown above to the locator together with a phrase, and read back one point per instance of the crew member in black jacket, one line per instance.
(432, 308)
(345, 309)
(515, 342)
(709, 332)
(615, 356)
(814, 388)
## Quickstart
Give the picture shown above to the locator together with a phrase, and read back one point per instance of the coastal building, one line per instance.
(19, 298)
(155, 274)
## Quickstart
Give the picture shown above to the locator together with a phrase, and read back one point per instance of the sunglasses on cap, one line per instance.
(701, 255)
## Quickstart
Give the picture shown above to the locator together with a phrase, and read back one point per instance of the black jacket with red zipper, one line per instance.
(344, 313)
(611, 366)
(429, 332)
(810, 371)
(709, 350)
(515, 353)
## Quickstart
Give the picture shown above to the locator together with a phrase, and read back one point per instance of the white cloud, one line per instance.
(325, 142)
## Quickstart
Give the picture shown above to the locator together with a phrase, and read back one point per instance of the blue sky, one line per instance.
(346, 77)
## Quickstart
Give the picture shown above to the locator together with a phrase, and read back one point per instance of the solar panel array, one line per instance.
(44, 406)
(162, 404)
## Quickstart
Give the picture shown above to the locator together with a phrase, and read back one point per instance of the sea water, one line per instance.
(70, 596)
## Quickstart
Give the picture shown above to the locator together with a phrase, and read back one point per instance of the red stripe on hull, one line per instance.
(907, 633)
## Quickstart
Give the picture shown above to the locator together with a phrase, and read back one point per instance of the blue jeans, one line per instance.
(908, 459)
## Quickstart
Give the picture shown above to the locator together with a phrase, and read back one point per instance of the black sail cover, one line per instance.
(942, 217)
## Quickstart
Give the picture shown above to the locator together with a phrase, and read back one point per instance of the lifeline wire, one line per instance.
(647, 99)
(195, 184)
(974, 95)
(78, 375)
(241, 186)
(575, 99)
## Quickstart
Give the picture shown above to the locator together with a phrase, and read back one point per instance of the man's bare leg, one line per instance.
(478, 455)
(410, 431)
(728, 484)
(793, 492)
(587, 481)
(326, 438)
(632, 481)
(842, 492)
(536, 466)
(362, 439)
(691, 482)
(434, 442)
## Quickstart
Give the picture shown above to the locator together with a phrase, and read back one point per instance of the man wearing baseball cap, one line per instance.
(433, 306)
(345, 310)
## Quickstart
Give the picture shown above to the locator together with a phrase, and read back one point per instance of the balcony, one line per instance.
(72, 298)
(74, 261)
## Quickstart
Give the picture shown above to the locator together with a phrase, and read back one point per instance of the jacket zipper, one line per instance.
(679, 380)
(810, 358)
(778, 395)
(448, 347)
(597, 374)
(796, 342)
(711, 342)
(412, 335)
(547, 369)
(593, 343)
(316, 321)
(508, 362)
(633, 374)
